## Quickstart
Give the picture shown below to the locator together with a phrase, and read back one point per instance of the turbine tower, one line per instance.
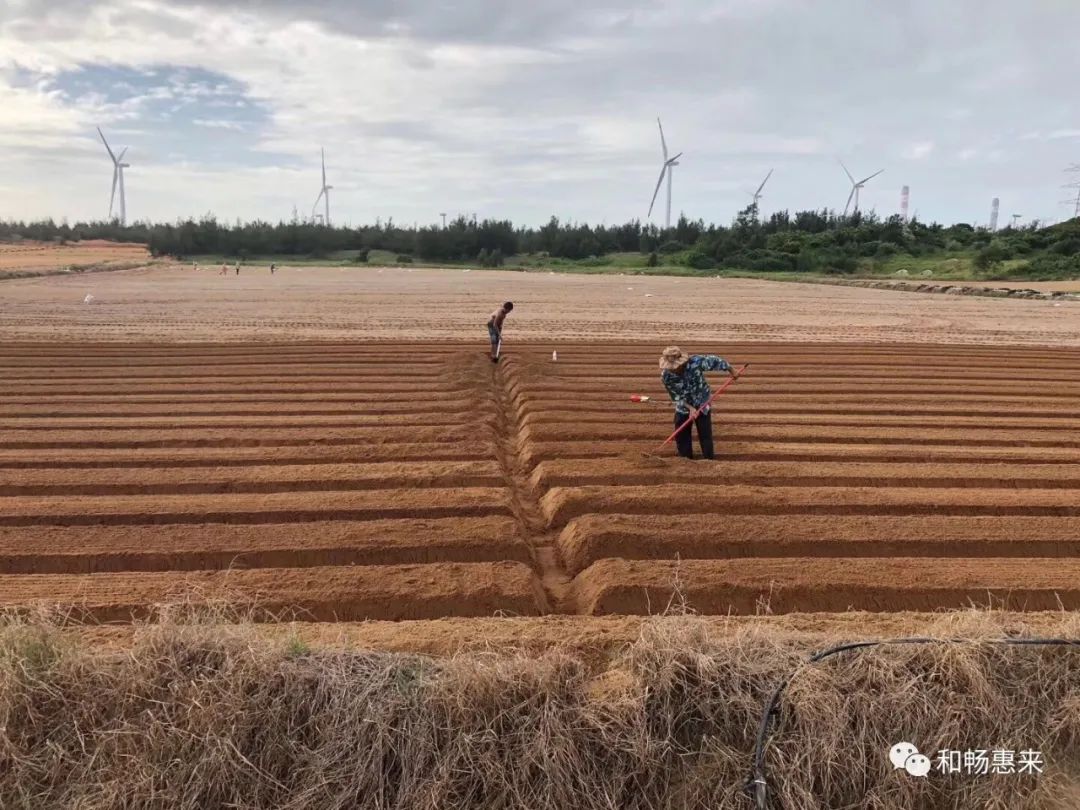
(905, 198)
(855, 186)
(757, 194)
(995, 206)
(669, 164)
(117, 179)
(324, 193)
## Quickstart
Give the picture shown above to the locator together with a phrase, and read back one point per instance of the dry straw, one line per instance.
(203, 709)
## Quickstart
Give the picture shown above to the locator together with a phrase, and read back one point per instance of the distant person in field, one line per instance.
(272, 268)
(238, 268)
(683, 376)
(495, 327)
(224, 269)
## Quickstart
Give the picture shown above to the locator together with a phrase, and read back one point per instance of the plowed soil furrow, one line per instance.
(274, 478)
(333, 593)
(588, 472)
(524, 499)
(594, 537)
(182, 400)
(220, 437)
(635, 451)
(189, 422)
(271, 508)
(957, 413)
(773, 375)
(777, 433)
(819, 584)
(560, 504)
(96, 549)
(298, 454)
(119, 410)
(990, 390)
(220, 389)
(537, 424)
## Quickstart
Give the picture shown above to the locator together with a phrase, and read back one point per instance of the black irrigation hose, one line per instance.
(757, 785)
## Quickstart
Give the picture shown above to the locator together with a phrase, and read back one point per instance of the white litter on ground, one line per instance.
(89, 298)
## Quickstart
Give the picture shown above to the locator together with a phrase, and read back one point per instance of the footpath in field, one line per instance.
(348, 481)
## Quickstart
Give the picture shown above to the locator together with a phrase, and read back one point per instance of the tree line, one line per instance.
(806, 241)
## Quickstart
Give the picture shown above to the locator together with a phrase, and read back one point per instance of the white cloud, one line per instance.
(544, 108)
(918, 150)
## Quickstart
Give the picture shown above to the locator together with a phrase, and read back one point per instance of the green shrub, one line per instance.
(671, 246)
(699, 260)
(991, 255)
(653, 260)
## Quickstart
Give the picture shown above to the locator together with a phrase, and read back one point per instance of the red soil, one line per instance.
(823, 584)
(337, 593)
(355, 481)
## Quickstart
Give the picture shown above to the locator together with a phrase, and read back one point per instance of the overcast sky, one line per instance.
(528, 109)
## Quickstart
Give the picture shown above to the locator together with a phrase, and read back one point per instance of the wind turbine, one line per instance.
(117, 179)
(669, 164)
(757, 194)
(324, 192)
(855, 186)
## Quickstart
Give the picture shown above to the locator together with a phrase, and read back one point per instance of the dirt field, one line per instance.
(47, 256)
(356, 480)
(179, 304)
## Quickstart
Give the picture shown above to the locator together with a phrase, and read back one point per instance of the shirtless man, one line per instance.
(495, 325)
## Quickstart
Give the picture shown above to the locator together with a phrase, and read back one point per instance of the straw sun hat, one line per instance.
(672, 358)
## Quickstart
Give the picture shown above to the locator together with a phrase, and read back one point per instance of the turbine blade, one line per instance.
(123, 152)
(848, 203)
(672, 161)
(323, 153)
(663, 170)
(663, 143)
(321, 192)
(763, 182)
(107, 149)
(871, 177)
(852, 179)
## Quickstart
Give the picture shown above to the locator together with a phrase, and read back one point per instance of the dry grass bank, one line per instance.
(200, 713)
